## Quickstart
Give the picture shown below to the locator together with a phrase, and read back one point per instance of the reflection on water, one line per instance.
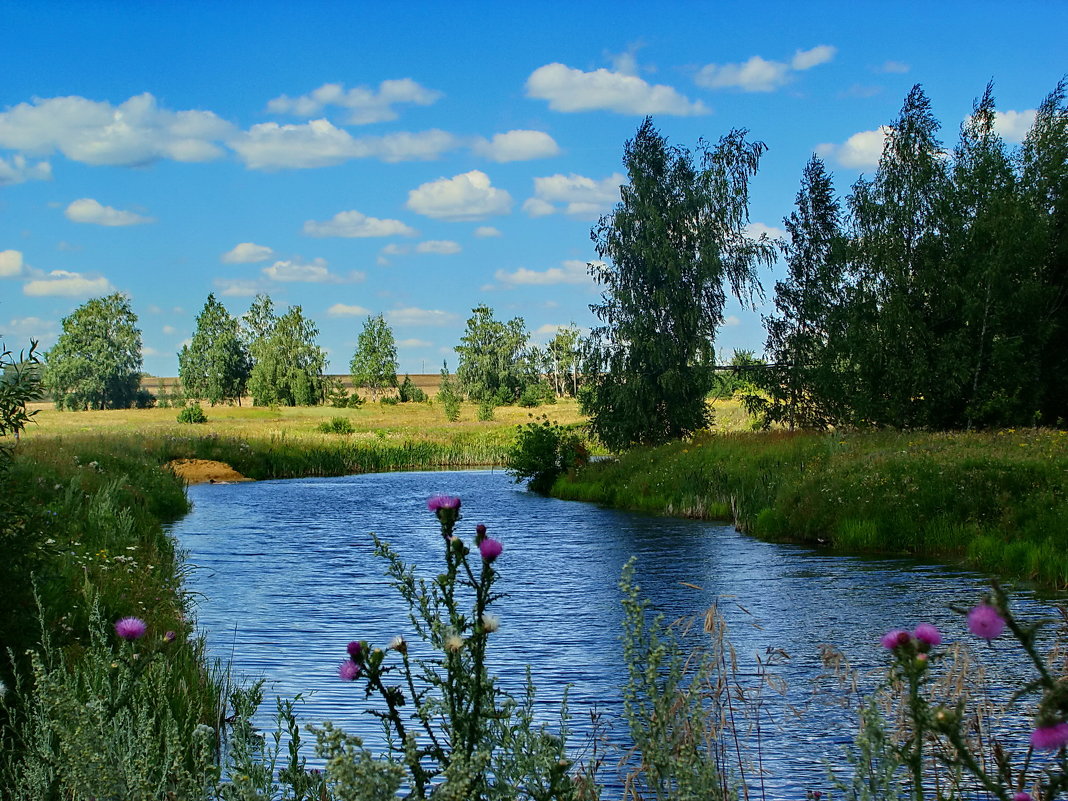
(287, 577)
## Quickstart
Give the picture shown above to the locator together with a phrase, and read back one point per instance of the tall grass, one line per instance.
(999, 500)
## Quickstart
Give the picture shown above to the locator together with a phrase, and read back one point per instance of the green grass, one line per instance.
(998, 501)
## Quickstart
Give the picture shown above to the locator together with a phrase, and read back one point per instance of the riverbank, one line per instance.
(997, 501)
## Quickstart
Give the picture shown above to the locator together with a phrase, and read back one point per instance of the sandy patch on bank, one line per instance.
(205, 471)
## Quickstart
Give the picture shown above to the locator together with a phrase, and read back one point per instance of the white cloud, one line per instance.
(87, 210)
(517, 146)
(578, 196)
(893, 67)
(414, 343)
(573, 271)
(468, 196)
(239, 287)
(133, 133)
(30, 328)
(169, 330)
(760, 74)
(1012, 126)
(19, 170)
(247, 253)
(731, 320)
(364, 104)
(354, 224)
(757, 229)
(313, 272)
(486, 231)
(318, 143)
(67, 284)
(569, 89)
(414, 316)
(344, 310)
(862, 149)
(807, 59)
(10, 263)
(443, 247)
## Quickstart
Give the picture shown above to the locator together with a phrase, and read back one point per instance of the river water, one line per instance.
(285, 576)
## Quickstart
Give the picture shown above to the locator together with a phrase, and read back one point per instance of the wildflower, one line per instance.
(453, 643)
(895, 638)
(348, 670)
(442, 502)
(1050, 738)
(354, 649)
(170, 636)
(926, 633)
(480, 533)
(399, 644)
(490, 623)
(490, 549)
(131, 628)
(985, 621)
(1022, 797)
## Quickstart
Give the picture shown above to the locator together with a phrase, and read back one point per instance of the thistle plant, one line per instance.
(456, 733)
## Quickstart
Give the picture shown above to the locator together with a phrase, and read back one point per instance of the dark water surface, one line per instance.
(287, 578)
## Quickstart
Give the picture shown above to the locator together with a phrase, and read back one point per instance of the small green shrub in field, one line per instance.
(336, 425)
(390, 400)
(485, 410)
(543, 451)
(410, 393)
(192, 414)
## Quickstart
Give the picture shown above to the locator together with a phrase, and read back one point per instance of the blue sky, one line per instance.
(417, 159)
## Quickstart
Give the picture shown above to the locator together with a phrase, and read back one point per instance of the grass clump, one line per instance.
(336, 425)
(192, 414)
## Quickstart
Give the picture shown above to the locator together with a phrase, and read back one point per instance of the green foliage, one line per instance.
(20, 383)
(544, 450)
(562, 360)
(192, 414)
(287, 366)
(336, 425)
(449, 395)
(338, 397)
(410, 393)
(215, 365)
(374, 365)
(96, 362)
(485, 410)
(672, 246)
(495, 362)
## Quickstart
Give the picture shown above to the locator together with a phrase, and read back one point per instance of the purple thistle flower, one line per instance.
(927, 633)
(480, 533)
(131, 628)
(170, 636)
(490, 549)
(895, 638)
(1022, 797)
(443, 502)
(348, 670)
(354, 649)
(985, 621)
(1050, 738)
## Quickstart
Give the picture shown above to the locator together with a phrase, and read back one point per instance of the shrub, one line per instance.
(336, 425)
(389, 400)
(485, 410)
(542, 451)
(410, 393)
(192, 414)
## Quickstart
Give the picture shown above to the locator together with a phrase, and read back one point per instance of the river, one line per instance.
(285, 577)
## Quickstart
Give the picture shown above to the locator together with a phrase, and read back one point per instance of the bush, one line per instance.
(336, 425)
(390, 400)
(410, 393)
(485, 410)
(192, 414)
(542, 451)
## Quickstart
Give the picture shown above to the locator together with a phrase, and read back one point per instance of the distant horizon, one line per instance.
(418, 161)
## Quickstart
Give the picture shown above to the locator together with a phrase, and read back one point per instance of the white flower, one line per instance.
(398, 644)
(454, 642)
(490, 623)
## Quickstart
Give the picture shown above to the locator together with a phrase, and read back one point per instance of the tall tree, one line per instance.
(563, 355)
(674, 245)
(96, 362)
(494, 364)
(374, 364)
(288, 366)
(215, 365)
(803, 387)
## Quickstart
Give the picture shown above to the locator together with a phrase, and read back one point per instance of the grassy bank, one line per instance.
(998, 501)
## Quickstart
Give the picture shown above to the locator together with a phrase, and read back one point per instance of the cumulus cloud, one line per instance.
(893, 67)
(443, 247)
(313, 272)
(31, 328)
(133, 133)
(414, 316)
(758, 229)
(247, 253)
(468, 196)
(364, 104)
(354, 224)
(414, 343)
(517, 146)
(19, 170)
(10, 263)
(760, 74)
(67, 284)
(1012, 126)
(731, 320)
(239, 287)
(486, 232)
(87, 210)
(345, 310)
(575, 195)
(573, 271)
(169, 330)
(862, 149)
(319, 143)
(569, 89)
